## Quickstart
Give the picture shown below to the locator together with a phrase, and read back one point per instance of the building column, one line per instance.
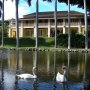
(48, 27)
(21, 33)
(9, 33)
(9, 29)
(63, 26)
(79, 26)
(34, 28)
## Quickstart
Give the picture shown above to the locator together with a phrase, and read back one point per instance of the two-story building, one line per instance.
(46, 24)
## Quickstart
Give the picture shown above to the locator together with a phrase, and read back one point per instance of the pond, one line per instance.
(48, 63)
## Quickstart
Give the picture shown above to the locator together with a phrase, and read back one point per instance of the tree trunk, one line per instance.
(69, 35)
(17, 28)
(2, 23)
(86, 26)
(36, 23)
(55, 17)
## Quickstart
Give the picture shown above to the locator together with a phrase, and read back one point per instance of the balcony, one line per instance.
(28, 25)
(43, 24)
(58, 24)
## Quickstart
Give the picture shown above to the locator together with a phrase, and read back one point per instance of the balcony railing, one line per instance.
(29, 24)
(43, 24)
(72, 24)
(59, 24)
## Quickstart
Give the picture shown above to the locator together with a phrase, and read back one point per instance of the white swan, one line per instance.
(61, 77)
(28, 76)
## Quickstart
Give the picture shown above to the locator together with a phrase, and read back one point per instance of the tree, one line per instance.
(86, 5)
(83, 4)
(36, 23)
(69, 36)
(86, 26)
(17, 24)
(2, 15)
(80, 3)
(5, 29)
(55, 17)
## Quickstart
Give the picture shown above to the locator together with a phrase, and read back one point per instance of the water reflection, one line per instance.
(2, 74)
(84, 73)
(48, 64)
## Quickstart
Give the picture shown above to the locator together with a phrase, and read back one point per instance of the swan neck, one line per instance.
(64, 72)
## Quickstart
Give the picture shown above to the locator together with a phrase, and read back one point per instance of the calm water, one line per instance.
(48, 64)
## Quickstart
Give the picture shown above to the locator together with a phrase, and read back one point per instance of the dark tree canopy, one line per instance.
(80, 3)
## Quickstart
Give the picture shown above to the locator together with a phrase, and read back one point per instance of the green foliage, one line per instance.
(10, 41)
(27, 42)
(77, 41)
(47, 42)
(5, 29)
(62, 40)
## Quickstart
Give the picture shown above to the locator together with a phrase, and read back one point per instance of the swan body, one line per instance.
(26, 76)
(60, 78)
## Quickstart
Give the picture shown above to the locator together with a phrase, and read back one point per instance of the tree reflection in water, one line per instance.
(17, 70)
(20, 83)
(54, 79)
(2, 71)
(35, 64)
(86, 83)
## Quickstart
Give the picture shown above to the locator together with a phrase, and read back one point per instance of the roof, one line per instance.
(51, 14)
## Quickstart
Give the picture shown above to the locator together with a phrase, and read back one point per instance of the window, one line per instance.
(26, 22)
(60, 20)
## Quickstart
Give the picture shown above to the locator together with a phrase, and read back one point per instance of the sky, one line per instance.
(25, 9)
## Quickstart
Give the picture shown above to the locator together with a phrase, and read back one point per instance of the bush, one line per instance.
(77, 41)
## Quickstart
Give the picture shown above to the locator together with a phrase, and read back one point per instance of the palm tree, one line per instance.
(36, 45)
(17, 24)
(86, 26)
(69, 41)
(55, 17)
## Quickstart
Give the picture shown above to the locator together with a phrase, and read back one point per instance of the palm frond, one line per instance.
(0, 8)
(0, 4)
(29, 2)
(48, 0)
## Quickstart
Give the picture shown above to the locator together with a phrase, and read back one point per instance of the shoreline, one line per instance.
(47, 49)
